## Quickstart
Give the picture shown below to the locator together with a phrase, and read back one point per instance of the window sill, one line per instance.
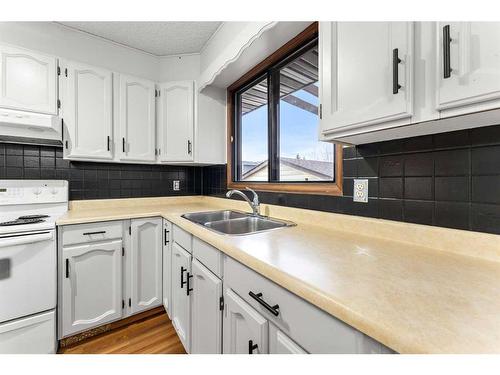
(327, 188)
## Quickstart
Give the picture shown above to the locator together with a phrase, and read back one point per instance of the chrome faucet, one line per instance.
(254, 204)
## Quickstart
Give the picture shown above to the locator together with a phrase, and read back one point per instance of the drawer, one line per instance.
(183, 238)
(93, 232)
(35, 334)
(310, 327)
(209, 256)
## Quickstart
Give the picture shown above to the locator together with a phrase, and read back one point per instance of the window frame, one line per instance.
(272, 65)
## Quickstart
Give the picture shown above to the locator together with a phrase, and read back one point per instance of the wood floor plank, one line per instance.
(153, 335)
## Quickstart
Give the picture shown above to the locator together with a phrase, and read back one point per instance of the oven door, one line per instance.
(27, 274)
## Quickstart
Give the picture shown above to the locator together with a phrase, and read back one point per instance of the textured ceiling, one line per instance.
(157, 38)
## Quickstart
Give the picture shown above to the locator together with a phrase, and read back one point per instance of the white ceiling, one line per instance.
(157, 38)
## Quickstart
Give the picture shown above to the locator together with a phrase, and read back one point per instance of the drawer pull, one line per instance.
(251, 345)
(258, 297)
(89, 233)
(67, 268)
(182, 277)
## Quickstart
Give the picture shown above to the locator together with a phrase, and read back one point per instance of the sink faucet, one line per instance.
(254, 204)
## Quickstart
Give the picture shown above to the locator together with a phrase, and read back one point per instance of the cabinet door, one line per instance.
(91, 285)
(137, 119)
(279, 343)
(167, 267)
(245, 330)
(177, 121)
(86, 94)
(28, 80)
(473, 55)
(360, 74)
(146, 264)
(206, 314)
(181, 303)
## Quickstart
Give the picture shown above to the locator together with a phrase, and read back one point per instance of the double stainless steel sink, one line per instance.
(236, 222)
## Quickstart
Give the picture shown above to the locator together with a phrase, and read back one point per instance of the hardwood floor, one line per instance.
(153, 335)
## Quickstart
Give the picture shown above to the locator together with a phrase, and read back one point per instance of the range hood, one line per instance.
(30, 125)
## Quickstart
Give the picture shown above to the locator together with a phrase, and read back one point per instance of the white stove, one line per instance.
(28, 263)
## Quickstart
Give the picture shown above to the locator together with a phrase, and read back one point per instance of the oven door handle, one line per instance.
(22, 239)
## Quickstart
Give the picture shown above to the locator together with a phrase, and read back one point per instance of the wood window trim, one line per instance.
(323, 188)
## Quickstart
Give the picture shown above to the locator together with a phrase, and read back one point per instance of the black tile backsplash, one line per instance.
(97, 180)
(449, 180)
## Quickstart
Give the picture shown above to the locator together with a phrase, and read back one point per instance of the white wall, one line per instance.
(179, 68)
(55, 39)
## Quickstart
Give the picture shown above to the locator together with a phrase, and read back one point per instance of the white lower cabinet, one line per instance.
(245, 330)
(91, 285)
(279, 343)
(145, 272)
(181, 303)
(167, 267)
(206, 314)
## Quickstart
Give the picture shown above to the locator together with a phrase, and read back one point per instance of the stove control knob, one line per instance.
(37, 191)
(53, 191)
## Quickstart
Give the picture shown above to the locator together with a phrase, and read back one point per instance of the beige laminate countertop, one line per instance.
(414, 288)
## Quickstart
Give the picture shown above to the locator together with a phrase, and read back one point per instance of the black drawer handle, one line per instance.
(109, 148)
(395, 71)
(188, 289)
(251, 346)
(67, 268)
(446, 52)
(89, 233)
(182, 277)
(258, 297)
(123, 144)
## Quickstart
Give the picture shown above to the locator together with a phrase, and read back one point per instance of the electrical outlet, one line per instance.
(177, 185)
(360, 191)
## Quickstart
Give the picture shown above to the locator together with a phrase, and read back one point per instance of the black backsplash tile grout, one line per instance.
(483, 217)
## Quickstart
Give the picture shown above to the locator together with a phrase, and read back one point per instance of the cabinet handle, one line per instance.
(99, 232)
(258, 297)
(251, 346)
(446, 52)
(188, 289)
(166, 235)
(123, 144)
(182, 277)
(395, 71)
(189, 147)
(109, 148)
(67, 268)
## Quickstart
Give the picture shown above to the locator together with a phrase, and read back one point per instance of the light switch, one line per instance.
(360, 191)
(176, 185)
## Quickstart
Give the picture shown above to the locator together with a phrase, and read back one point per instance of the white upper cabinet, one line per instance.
(137, 119)
(91, 285)
(468, 66)
(86, 101)
(245, 330)
(176, 121)
(206, 317)
(146, 264)
(28, 80)
(365, 74)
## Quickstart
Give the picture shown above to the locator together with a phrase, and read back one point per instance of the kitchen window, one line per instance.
(274, 124)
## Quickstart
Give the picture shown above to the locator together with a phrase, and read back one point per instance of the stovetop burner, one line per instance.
(22, 221)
